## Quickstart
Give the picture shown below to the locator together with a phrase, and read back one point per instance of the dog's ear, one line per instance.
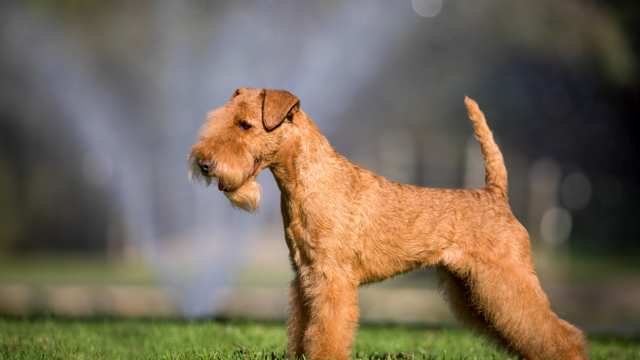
(235, 93)
(277, 105)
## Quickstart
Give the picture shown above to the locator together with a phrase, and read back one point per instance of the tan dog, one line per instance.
(346, 226)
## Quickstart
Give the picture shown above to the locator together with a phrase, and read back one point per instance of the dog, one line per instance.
(346, 226)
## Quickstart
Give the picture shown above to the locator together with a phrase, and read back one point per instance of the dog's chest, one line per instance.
(308, 229)
(295, 235)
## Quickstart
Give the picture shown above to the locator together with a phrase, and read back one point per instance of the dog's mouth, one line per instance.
(229, 186)
(228, 189)
(222, 187)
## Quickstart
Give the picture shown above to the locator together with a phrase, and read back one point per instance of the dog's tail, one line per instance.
(495, 171)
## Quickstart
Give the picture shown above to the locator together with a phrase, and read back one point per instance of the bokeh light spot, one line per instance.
(555, 226)
(427, 8)
(575, 191)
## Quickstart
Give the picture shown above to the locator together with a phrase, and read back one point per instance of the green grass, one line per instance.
(97, 338)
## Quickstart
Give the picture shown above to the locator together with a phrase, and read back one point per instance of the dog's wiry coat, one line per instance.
(346, 226)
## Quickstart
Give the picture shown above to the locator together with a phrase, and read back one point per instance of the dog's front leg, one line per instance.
(333, 315)
(298, 320)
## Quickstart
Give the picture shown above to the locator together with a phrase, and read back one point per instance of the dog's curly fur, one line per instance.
(346, 226)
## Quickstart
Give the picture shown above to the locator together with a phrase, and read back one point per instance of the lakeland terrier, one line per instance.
(346, 226)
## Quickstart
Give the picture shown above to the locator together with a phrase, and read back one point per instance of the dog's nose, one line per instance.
(205, 166)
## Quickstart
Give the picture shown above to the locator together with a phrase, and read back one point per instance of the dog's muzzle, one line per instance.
(205, 167)
(221, 186)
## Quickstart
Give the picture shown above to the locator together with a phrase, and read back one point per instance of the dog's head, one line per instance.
(240, 139)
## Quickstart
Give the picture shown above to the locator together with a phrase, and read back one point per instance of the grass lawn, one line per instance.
(99, 338)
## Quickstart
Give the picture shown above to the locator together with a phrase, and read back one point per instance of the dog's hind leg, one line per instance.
(508, 297)
(456, 292)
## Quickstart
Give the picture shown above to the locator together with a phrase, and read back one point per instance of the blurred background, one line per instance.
(100, 102)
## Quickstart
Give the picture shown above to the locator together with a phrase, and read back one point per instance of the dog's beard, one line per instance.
(246, 193)
(246, 197)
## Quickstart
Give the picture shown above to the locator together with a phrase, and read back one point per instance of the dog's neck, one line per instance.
(306, 161)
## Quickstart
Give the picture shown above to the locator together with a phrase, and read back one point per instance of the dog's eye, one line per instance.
(244, 125)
